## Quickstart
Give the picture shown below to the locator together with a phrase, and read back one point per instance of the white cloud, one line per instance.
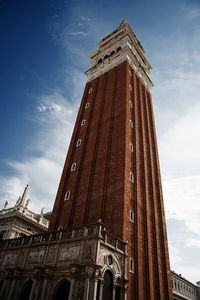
(85, 18)
(193, 13)
(182, 201)
(79, 33)
(193, 243)
(179, 145)
(42, 108)
(11, 188)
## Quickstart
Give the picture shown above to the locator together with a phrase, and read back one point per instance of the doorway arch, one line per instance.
(62, 290)
(26, 290)
(108, 285)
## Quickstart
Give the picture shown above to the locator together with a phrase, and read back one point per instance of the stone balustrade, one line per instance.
(63, 235)
(182, 288)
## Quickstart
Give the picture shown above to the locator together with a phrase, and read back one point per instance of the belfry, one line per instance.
(107, 235)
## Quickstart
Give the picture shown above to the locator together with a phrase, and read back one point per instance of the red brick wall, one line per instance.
(100, 186)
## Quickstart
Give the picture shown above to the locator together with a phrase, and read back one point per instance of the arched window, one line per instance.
(131, 123)
(62, 290)
(131, 147)
(112, 53)
(107, 285)
(131, 104)
(130, 87)
(106, 56)
(87, 105)
(118, 49)
(110, 259)
(73, 167)
(100, 61)
(78, 143)
(90, 91)
(67, 195)
(131, 265)
(131, 177)
(83, 122)
(132, 216)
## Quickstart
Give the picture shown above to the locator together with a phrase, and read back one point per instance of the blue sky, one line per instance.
(43, 55)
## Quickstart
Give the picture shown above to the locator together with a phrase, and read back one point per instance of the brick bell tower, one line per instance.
(111, 173)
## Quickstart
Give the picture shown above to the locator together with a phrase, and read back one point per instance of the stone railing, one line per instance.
(182, 288)
(97, 230)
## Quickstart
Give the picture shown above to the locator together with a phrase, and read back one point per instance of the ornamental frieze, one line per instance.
(9, 259)
(36, 256)
(69, 253)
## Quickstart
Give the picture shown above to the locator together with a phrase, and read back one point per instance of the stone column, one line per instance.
(86, 290)
(101, 290)
(71, 289)
(3, 290)
(95, 288)
(11, 289)
(125, 293)
(44, 289)
(6, 288)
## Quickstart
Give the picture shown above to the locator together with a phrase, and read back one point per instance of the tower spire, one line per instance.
(23, 197)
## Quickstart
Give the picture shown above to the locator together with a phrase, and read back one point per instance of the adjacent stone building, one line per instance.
(19, 221)
(66, 264)
(183, 289)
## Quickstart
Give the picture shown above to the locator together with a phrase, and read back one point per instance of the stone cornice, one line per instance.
(28, 221)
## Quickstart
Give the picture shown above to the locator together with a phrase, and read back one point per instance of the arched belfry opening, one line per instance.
(107, 285)
(62, 290)
(26, 290)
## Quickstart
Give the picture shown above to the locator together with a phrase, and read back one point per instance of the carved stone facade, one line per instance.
(39, 266)
(20, 221)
